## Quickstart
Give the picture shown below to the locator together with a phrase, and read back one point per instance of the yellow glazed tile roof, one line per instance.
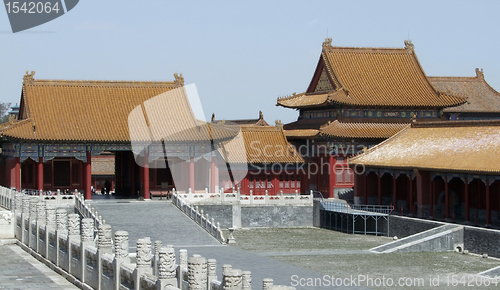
(263, 144)
(481, 97)
(362, 130)
(387, 77)
(108, 112)
(458, 146)
(301, 133)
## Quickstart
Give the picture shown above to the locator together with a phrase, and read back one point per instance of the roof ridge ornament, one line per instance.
(28, 77)
(179, 80)
(409, 46)
(327, 42)
(279, 125)
(261, 116)
(479, 74)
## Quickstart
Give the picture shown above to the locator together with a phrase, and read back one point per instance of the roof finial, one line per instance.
(327, 42)
(179, 80)
(409, 46)
(213, 117)
(479, 73)
(28, 77)
(261, 116)
(279, 125)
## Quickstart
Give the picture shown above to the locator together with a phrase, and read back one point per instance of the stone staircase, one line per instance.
(440, 239)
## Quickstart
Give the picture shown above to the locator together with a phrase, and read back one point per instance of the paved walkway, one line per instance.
(161, 220)
(20, 270)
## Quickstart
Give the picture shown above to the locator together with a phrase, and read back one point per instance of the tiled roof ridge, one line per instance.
(361, 123)
(16, 124)
(290, 97)
(251, 128)
(367, 49)
(463, 123)
(103, 83)
(453, 78)
(368, 150)
(329, 68)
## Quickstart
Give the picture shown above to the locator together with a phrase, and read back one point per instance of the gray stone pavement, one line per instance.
(161, 220)
(20, 270)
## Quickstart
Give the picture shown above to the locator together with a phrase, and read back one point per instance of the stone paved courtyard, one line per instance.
(342, 255)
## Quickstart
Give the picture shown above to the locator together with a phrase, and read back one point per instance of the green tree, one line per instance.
(4, 109)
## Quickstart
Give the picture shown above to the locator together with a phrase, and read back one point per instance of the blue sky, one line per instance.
(242, 55)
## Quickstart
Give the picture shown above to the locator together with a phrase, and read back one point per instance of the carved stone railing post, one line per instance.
(104, 246)
(143, 261)
(32, 238)
(197, 273)
(246, 282)
(232, 279)
(121, 255)
(211, 271)
(50, 225)
(62, 229)
(25, 220)
(73, 235)
(158, 246)
(166, 268)
(225, 270)
(267, 284)
(183, 258)
(87, 240)
(231, 239)
(40, 222)
(18, 209)
(50, 216)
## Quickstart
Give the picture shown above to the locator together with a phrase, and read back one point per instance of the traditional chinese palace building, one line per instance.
(152, 135)
(272, 163)
(63, 124)
(357, 98)
(441, 170)
(483, 102)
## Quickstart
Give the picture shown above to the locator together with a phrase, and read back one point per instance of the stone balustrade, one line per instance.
(236, 197)
(86, 210)
(204, 221)
(67, 244)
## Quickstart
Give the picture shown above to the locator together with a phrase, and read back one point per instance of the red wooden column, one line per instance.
(275, 184)
(332, 174)
(411, 196)
(467, 205)
(432, 198)
(365, 189)
(304, 180)
(40, 175)
(447, 197)
(17, 172)
(394, 190)
(215, 175)
(141, 177)
(133, 182)
(191, 173)
(145, 171)
(488, 203)
(88, 177)
(379, 185)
